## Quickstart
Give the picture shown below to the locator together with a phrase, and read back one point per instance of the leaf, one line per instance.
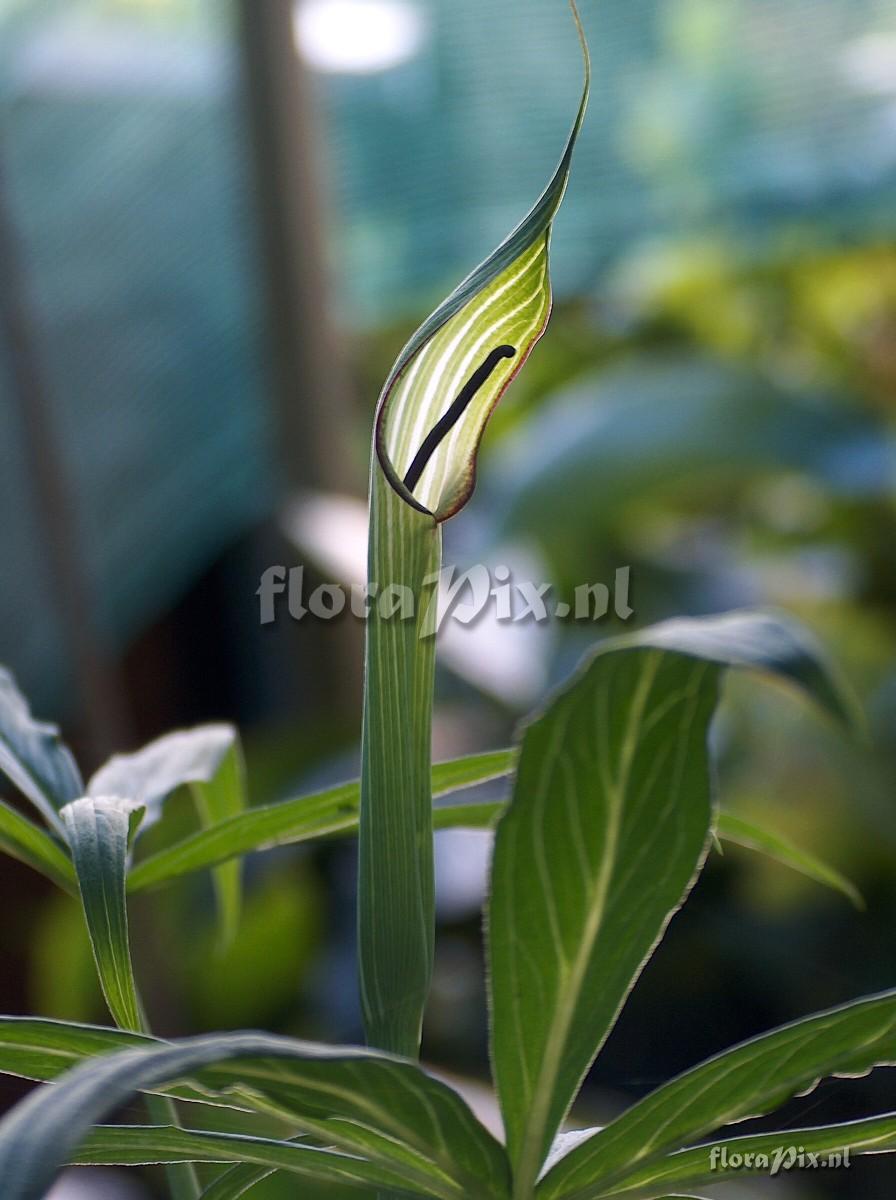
(133, 1146)
(239, 1180)
(335, 812)
(40, 1049)
(209, 760)
(382, 1109)
(43, 1050)
(615, 769)
(33, 756)
(99, 831)
(320, 814)
(218, 798)
(770, 642)
(687, 1168)
(27, 842)
(235, 1183)
(609, 823)
(766, 841)
(748, 1081)
(156, 770)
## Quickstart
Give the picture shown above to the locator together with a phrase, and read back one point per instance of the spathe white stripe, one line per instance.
(447, 454)
(411, 416)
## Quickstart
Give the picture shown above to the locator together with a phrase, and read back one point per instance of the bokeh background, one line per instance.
(219, 220)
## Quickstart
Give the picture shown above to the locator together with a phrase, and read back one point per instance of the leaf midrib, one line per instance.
(404, 1136)
(530, 1162)
(653, 1152)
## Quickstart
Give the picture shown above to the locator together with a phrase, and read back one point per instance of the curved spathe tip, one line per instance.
(452, 373)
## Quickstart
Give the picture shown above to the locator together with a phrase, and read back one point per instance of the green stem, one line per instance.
(395, 884)
(182, 1178)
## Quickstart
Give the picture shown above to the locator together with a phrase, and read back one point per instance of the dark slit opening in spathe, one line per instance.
(449, 419)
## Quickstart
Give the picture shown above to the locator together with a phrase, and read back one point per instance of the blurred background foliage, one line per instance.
(220, 221)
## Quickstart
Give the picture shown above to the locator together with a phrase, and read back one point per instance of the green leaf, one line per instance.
(741, 832)
(334, 812)
(33, 756)
(321, 814)
(27, 842)
(748, 1081)
(134, 1146)
(208, 759)
(42, 1050)
(687, 1168)
(232, 1184)
(221, 797)
(152, 773)
(615, 769)
(609, 823)
(770, 642)
(99, 831)
(382, 1109)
